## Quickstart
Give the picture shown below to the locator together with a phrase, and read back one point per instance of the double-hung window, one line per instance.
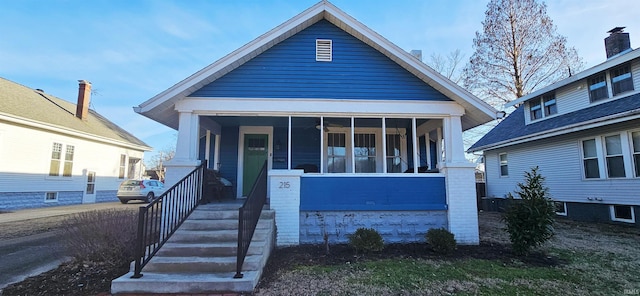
(635, 136)
(336, 153)
(365, 152)
(543, 106)
(61, 158)
(598, 87)
(504, 165)
(621, 79)
(615, 160)
(590, 159)
(394, 154)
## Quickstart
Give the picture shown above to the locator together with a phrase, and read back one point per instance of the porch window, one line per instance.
(590, 159)
(336, 153)
(615, 160)
(365, 153)
(394, 156)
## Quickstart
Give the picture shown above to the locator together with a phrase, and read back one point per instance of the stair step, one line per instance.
(211, 214)
(176, 283)
(213, 236)
(210, 249)
(201, 224)
(201, 264)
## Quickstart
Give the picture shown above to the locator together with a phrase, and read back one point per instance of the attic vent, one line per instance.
(323, 50)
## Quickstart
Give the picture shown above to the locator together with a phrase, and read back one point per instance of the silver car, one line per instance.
(145, 190)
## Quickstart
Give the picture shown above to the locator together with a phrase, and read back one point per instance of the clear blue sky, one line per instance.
(132, 50)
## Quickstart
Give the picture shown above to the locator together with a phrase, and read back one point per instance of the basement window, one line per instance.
(324, 50)
(622, 213)
(561, 208)
(51, 197)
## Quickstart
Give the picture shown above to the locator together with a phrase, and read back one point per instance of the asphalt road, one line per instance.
(28, 256)
(31, 255)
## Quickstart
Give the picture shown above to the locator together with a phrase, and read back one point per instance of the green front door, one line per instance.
(256, 151)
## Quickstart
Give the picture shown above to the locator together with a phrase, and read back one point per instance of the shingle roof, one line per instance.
(24, 103)
(514, 127)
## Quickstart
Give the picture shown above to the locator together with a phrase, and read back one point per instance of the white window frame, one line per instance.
(55, 194)
(612, 212)
(500, 164)
(621, 154)
(599, 157)
(630, 78)
(62, 160)
(564, 205)
(634, 153)
(122, 166)
(380, 154)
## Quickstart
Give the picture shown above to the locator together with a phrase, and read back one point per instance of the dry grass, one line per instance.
(600, 259)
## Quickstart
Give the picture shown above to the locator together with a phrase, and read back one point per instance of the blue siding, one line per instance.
(289, 70)
(372, 193)
(229, 153)
(27, 200)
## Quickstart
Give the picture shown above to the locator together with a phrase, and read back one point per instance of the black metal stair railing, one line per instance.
(249, 215)
(158, 220)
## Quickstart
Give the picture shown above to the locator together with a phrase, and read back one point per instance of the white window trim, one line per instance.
(564, 204)
(614, 218)
(50, 200)
(60, 175)
(632, 153)
(500, 165)
(599, 156)
(380, 151)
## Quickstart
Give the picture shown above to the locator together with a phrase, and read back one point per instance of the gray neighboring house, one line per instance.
(54, 152)
(583, 133)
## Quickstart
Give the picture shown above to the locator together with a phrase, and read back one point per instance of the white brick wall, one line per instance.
(461, 199)
(284, 194)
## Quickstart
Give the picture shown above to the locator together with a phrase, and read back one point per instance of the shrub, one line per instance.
(366, 240)
(106, 236)
(530, 219)
(441, 240)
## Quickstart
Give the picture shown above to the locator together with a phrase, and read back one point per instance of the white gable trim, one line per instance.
(477, 110)
(70, 132)
(324, 107)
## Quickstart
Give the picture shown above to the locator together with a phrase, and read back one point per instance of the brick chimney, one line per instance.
(617, 42)
(84, 96)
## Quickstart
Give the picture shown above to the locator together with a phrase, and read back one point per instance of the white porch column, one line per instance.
(284, 198)
(186, 157)
(459, 174)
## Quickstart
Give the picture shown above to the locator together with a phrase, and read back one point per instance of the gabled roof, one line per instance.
(513, 130)
(610, 63)
(22, 105)
(161, 107)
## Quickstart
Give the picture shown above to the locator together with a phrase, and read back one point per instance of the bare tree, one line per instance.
(517, 52)
(449, 66)
(156, 162)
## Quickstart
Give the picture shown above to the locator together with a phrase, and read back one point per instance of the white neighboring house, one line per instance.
(54, 152)
(583, 133)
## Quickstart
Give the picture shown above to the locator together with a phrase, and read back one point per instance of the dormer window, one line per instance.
(543, 106)
(621, 79)
(598, 87)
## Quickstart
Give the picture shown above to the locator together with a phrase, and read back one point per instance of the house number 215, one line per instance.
(284, 185)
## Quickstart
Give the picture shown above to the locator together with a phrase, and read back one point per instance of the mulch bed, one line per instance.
(92, 278)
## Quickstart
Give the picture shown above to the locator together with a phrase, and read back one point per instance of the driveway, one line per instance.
(32, 254)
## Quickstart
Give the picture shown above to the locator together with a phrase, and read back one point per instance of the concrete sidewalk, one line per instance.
(27, 214)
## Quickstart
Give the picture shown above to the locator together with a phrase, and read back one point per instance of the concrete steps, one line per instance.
(200, 257)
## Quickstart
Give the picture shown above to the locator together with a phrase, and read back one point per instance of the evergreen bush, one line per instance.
(441, 240)
(530, 218)
(366, 240)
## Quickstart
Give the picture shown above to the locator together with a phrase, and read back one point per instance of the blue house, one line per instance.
(355, 131)
(582, 132)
